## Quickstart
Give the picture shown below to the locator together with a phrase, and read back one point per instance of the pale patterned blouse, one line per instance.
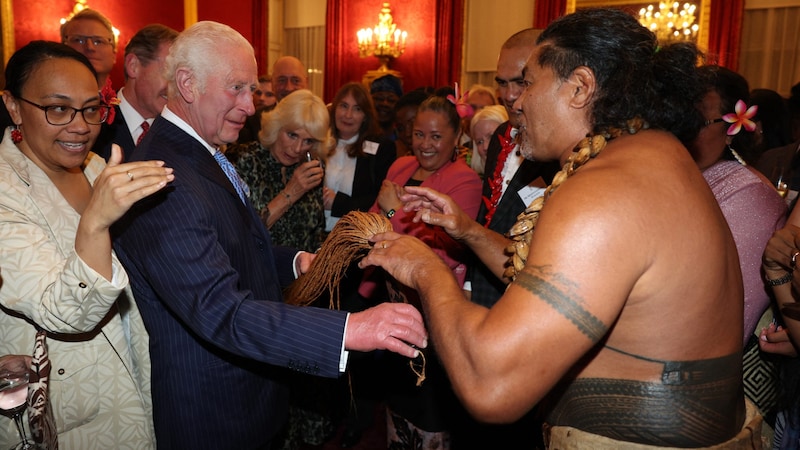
(100, 379)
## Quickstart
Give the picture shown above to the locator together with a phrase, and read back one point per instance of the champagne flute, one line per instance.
(14, 372)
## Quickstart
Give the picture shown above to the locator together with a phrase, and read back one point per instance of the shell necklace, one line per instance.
(522, 231)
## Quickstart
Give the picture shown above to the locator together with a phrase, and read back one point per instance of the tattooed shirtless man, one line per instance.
(625, 321)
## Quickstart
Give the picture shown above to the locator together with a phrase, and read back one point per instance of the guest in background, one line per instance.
(426, 410)
(405, 111)
(92, 34)
(483, 125)
(354, 171)
(477, 97)
(773, 122)
(289, 74)
(263, 96)
(752, 208)
(385, 92)
(357, 165)
(284, 170)
(264, 100)
(145, 92)
(59, 273)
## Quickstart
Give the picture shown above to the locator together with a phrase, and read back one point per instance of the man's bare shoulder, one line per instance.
(630, 230)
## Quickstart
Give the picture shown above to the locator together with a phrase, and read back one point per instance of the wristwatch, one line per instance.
(390, 213)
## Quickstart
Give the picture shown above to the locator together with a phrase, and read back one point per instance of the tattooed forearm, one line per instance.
(588, 324)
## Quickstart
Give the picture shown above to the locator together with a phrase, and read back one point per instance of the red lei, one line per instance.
(496, 182)
(109, 98)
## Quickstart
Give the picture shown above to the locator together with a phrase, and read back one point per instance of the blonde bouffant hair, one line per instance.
(300, 109)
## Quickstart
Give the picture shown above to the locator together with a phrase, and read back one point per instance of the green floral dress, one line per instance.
(303, 224)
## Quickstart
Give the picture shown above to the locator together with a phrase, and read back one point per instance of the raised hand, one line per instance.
(120, 185)
(435, 208)
(409, 260)
(388, 326)
(306, 176)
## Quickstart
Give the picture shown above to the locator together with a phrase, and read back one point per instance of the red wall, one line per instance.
(416, 64)
(39, 19)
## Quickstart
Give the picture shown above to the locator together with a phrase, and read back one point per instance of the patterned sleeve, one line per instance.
(42, 276)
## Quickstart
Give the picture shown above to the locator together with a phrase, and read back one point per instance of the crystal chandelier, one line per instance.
(385, 41)
(671, 22)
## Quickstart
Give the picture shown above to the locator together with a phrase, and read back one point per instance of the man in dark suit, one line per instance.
(511, 182)
(144, 93)
(207, 279)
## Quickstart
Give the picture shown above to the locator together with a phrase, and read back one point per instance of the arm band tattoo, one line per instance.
(588, 324)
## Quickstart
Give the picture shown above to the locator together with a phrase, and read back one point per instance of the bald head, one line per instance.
(288, 75)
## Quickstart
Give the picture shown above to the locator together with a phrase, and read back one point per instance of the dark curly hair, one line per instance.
(635, 76)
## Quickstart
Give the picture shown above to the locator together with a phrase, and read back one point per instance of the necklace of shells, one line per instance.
(522, 231)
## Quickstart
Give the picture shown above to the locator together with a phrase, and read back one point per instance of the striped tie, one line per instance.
(145, 127)
(230, 172)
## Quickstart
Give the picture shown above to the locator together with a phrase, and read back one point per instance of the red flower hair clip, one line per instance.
(463, 108)
(741, 118)
(109, 98)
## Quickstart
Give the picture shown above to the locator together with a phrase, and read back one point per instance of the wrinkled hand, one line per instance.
(775, 339)
(388, 326)
(435, 208)
(389, 196)
(120, 185)
(307, 176)
(304, 260)
(406, 258)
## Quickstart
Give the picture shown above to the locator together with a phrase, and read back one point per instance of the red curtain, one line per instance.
(449, 33)
(725, 32)
(545, 11)
(260, 34)
(433, 53)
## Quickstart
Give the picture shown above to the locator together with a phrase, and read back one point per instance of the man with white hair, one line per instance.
(208, 280)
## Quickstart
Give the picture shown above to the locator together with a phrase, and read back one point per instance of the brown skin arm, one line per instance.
(777, 262)
(435, 208)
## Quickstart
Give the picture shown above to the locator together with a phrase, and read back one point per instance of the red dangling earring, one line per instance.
(16, 134)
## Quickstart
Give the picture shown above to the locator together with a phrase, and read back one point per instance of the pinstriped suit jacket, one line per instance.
(208, 282)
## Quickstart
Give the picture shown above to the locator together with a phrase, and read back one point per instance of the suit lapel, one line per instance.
(203, 163)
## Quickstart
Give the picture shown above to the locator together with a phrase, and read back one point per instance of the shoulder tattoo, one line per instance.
(563, 302)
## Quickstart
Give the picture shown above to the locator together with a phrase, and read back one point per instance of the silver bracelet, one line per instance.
(779, 281)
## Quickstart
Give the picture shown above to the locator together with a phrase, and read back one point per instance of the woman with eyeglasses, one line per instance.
(59, 273)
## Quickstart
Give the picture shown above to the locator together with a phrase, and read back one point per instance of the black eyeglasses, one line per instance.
(96, 41)
(713, 121)
(62, 115)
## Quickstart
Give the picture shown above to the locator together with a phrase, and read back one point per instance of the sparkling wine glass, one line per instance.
(14, 370)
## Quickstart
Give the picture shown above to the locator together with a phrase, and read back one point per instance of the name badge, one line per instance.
(370, 148)
(530, 193)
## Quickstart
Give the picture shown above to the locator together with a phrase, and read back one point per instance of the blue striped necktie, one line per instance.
(230, 172)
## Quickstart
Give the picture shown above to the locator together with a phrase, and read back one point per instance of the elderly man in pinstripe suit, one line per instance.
(208, 280)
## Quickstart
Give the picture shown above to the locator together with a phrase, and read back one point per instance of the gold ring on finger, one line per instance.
(130, 175)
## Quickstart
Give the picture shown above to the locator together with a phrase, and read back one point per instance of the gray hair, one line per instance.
(199, 48)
